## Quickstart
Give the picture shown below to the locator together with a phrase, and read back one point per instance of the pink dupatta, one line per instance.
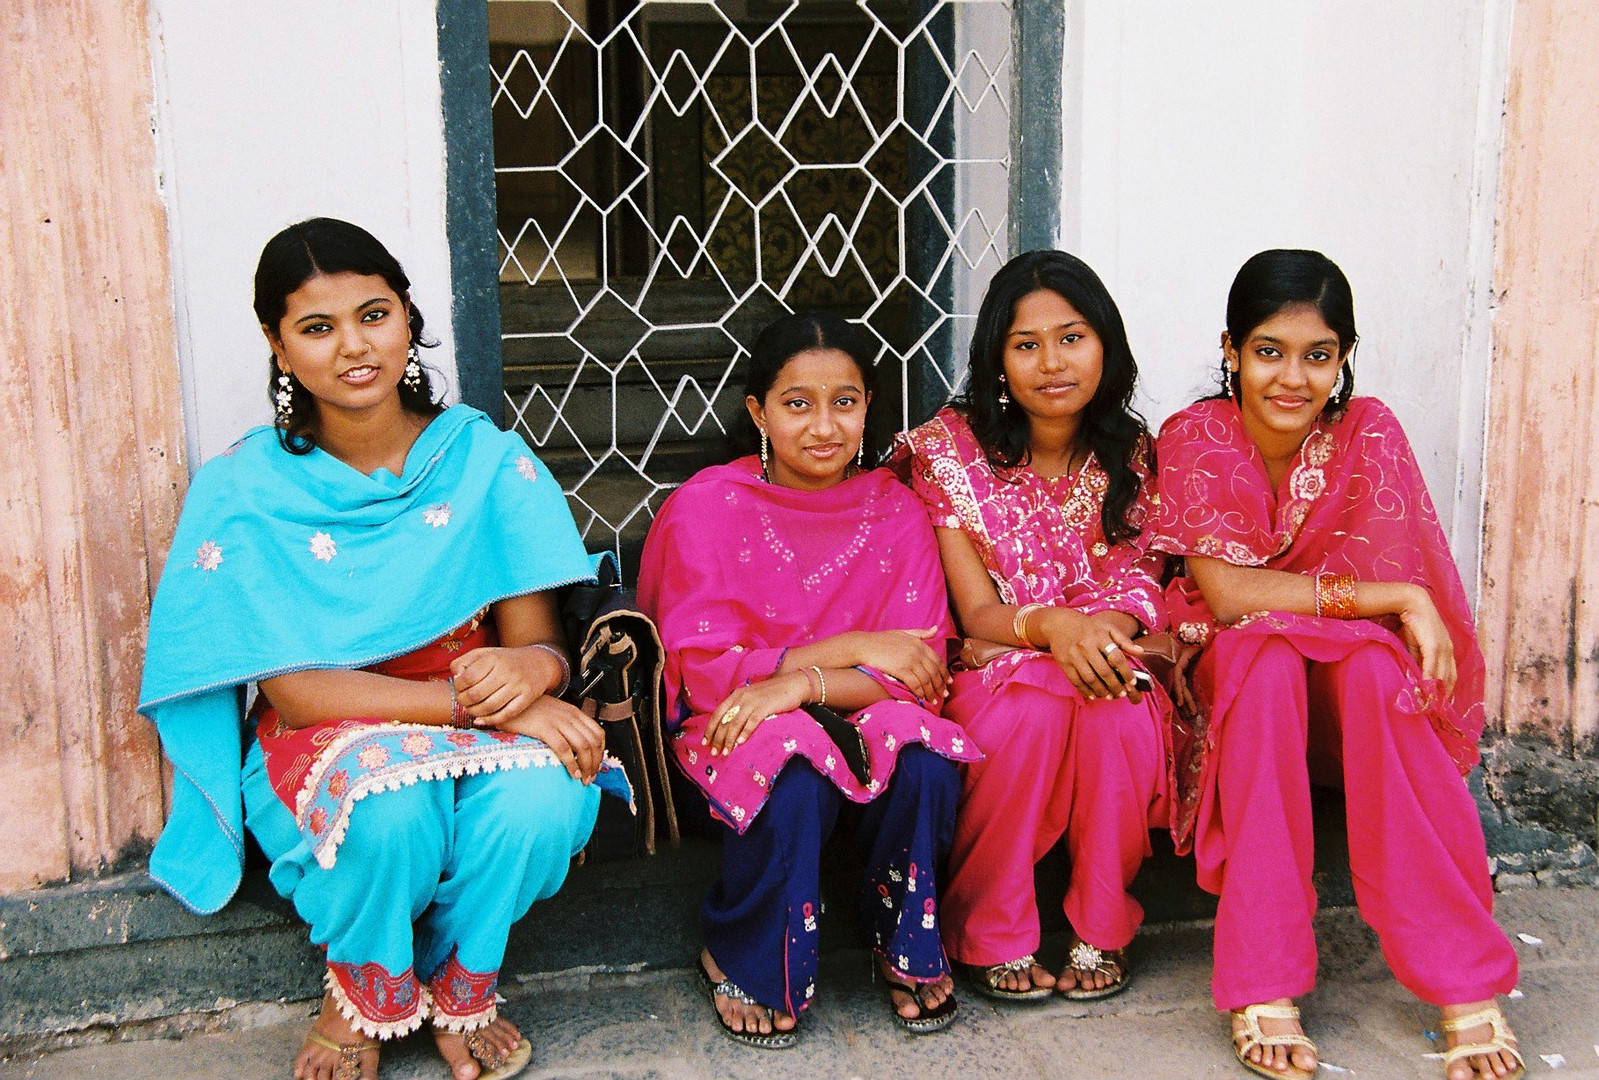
(1353, 503)
(736, 571)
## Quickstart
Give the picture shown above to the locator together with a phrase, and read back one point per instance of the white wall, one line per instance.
(1198, 134)
(270, 113)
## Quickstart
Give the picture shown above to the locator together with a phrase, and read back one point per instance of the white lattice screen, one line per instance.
(671, 176)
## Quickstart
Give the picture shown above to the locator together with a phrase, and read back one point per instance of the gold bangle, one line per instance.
(822, 680)
(1018, 623)
(1335, 596)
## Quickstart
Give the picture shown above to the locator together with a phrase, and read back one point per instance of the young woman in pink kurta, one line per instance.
(1037, 482)
(788, 586)
(1337, 645)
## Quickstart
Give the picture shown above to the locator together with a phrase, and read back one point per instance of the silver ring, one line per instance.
(1110, 647)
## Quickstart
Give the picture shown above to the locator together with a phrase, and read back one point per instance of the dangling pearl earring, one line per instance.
(1004, 398)
(285, 399)
(764, 456)
(860, 456)
(413, 370)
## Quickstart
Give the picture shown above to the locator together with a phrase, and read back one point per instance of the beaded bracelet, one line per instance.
(566, 668)
(459, 717)
(822, 680)
(1018, 623)
(1335, 596)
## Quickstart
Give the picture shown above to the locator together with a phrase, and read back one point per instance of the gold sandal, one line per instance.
(1085, 959)
(985, 980)
(1252, 1037)
(497, 1065)
(349, 1066)
(1501, 1041)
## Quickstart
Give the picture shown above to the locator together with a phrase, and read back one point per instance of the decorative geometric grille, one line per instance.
(671, 176)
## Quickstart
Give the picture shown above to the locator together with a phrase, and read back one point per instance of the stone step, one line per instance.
(119, 949)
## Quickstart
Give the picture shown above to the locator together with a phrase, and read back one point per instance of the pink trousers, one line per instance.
(1054, 764)
(1415, 841)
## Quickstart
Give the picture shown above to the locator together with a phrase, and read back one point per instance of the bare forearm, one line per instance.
(849, 689)
(844, 689)
(1234, 591)
(304, 698)
(837, 652)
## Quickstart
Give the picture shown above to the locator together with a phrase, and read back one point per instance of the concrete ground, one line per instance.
(655, 1024)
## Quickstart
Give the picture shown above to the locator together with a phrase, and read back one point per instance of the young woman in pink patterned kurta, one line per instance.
(1037, 482)
(1338, 645)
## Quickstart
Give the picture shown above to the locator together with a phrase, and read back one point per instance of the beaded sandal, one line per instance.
(1501, 1041)
(1251, 1036)
(776, 1040)
(1085, 959)
(985, 980)
(349, 1064)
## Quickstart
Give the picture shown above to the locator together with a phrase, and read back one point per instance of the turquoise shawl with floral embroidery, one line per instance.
(283, 563)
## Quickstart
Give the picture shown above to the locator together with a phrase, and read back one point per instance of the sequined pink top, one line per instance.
(1039, 537)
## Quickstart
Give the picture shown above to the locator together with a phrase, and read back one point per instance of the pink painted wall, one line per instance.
(1540, 588)
(92, 421)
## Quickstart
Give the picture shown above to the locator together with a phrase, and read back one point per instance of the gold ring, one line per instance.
(727, 717)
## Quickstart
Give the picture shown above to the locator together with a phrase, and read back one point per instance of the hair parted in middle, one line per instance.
(331, 246)
(787, 337)
(1111, 428)
(1280, 278)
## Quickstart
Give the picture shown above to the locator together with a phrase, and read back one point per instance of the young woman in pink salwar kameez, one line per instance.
(1037, 481)
(796, 589)
(1338, 646)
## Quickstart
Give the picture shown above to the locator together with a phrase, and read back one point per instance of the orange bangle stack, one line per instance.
(1335, 596)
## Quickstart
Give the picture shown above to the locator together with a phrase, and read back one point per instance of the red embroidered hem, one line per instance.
(462, 1000)
(375, 1003)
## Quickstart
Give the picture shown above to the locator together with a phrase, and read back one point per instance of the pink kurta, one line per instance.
(1097, 772)
(1359, 714)
(737, 571)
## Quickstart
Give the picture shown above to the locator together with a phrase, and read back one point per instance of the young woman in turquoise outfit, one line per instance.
(379, 568)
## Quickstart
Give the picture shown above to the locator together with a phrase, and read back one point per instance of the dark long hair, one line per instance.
(329, 246)
(1111, 428)
(1281, 278)
(786, 338)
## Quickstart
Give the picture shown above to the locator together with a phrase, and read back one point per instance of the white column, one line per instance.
(271, 113)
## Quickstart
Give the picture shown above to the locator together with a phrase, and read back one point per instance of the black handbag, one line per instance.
(617, 662)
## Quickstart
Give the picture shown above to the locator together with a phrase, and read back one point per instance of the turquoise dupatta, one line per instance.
(284, 563)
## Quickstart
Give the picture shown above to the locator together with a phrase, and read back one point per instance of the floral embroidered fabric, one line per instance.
(1039, 537)
(321, 771)
(1353, 502)
(376, 1003)
(737, 785)
(462, 1000)
(737, 570)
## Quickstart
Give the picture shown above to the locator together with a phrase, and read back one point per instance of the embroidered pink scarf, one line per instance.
(736, 571)
(1354, 502)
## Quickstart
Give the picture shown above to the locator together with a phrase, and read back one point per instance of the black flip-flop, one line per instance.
(777, 1040)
